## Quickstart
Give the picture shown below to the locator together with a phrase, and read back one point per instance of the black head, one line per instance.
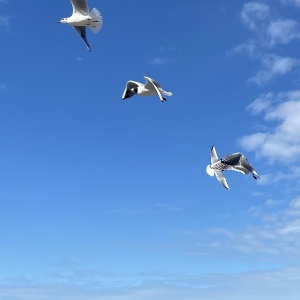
(130, 93)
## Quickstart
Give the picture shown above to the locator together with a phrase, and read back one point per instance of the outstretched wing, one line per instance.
(80, 6)
(150, 83)
(222, 179)
(213, 155)
(233, 162)
(246, 167)
(82, 31)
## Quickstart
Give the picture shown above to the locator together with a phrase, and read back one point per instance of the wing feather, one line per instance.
(213, 155)
(222, 179)
(150, 83)
(82, 31)
(80, 6)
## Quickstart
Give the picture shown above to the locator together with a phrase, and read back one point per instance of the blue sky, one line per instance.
(109, 199)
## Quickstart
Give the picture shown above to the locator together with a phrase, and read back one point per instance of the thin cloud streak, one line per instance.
(260, 285)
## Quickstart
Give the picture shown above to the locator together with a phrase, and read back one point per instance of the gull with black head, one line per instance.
(150, 88)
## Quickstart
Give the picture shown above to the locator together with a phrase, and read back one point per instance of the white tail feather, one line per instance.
(96, 21)
(210, 171)
(167, 93)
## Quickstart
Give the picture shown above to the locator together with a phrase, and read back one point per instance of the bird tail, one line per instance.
(210, 171)
(167, 93)
(255, 175)
(96, 20)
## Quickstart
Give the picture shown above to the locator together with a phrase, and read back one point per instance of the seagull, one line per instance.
(150, 88)
(235, 161)
(81, 19)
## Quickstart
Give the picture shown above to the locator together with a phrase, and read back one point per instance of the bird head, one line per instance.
(134, 90)
(64, 20)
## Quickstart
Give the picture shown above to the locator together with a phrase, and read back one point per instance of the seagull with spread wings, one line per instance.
(82, 18)
(235, 161)
(150, 88)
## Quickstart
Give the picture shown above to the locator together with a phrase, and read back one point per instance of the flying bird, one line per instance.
(235, 161)
(82, 18)
(150, 88)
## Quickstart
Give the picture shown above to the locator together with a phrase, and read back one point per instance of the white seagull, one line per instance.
(82, 18)
(235, 161)
(150, 88)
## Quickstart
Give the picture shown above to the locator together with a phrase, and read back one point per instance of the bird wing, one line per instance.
(246, 167)
(129, 85)
(82, 31)
(150, 83)
(80, 6)
(213, 155)
(232, 159)
(221, 179)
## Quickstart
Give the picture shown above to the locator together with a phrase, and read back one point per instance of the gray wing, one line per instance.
(80, 6)
(238, 162)
(213, 155)
(222, 179)
(150, 83)
(130, 85)
(246, 167)
(82, 31)
(233, 162)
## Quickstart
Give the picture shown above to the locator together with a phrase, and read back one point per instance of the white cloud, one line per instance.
(273, 66)
(249, 47)
(295, 2)
(269, 31)
(260, 285)
(158, 61)
(253, 13)
(260, 104)
(295, 203)
(275, 235)
(282, 142)
(282, 31)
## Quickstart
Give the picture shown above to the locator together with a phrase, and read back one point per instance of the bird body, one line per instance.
(82, 18)
(235, 161)
(150, 88)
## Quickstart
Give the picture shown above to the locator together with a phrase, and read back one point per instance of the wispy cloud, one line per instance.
(273, 66)
(282, 31)
(259, 285)
(267, 32)
(158, 61)
(281, 142)
(254, 14)
(164, 56)
(276, 232)
(295, 2)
